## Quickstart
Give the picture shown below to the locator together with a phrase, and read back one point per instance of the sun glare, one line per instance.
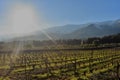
(22, 19)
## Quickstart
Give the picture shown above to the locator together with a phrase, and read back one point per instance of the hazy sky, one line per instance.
(56, 12)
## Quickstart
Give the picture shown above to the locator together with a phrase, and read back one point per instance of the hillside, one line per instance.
(83, 31)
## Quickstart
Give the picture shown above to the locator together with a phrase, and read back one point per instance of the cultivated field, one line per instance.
(61, 64)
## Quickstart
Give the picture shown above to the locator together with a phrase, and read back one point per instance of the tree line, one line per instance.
(94, 40)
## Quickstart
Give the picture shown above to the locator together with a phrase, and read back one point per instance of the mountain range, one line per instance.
(70, 31)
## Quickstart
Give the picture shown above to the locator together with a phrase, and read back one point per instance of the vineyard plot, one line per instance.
(102, 64)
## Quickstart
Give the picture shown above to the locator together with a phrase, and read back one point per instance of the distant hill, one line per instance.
(83, 31)
(66, 29)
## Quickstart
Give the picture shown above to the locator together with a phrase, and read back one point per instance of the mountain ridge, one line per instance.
(82, 31)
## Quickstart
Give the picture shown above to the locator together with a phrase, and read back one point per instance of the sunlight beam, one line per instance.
(22, 19)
